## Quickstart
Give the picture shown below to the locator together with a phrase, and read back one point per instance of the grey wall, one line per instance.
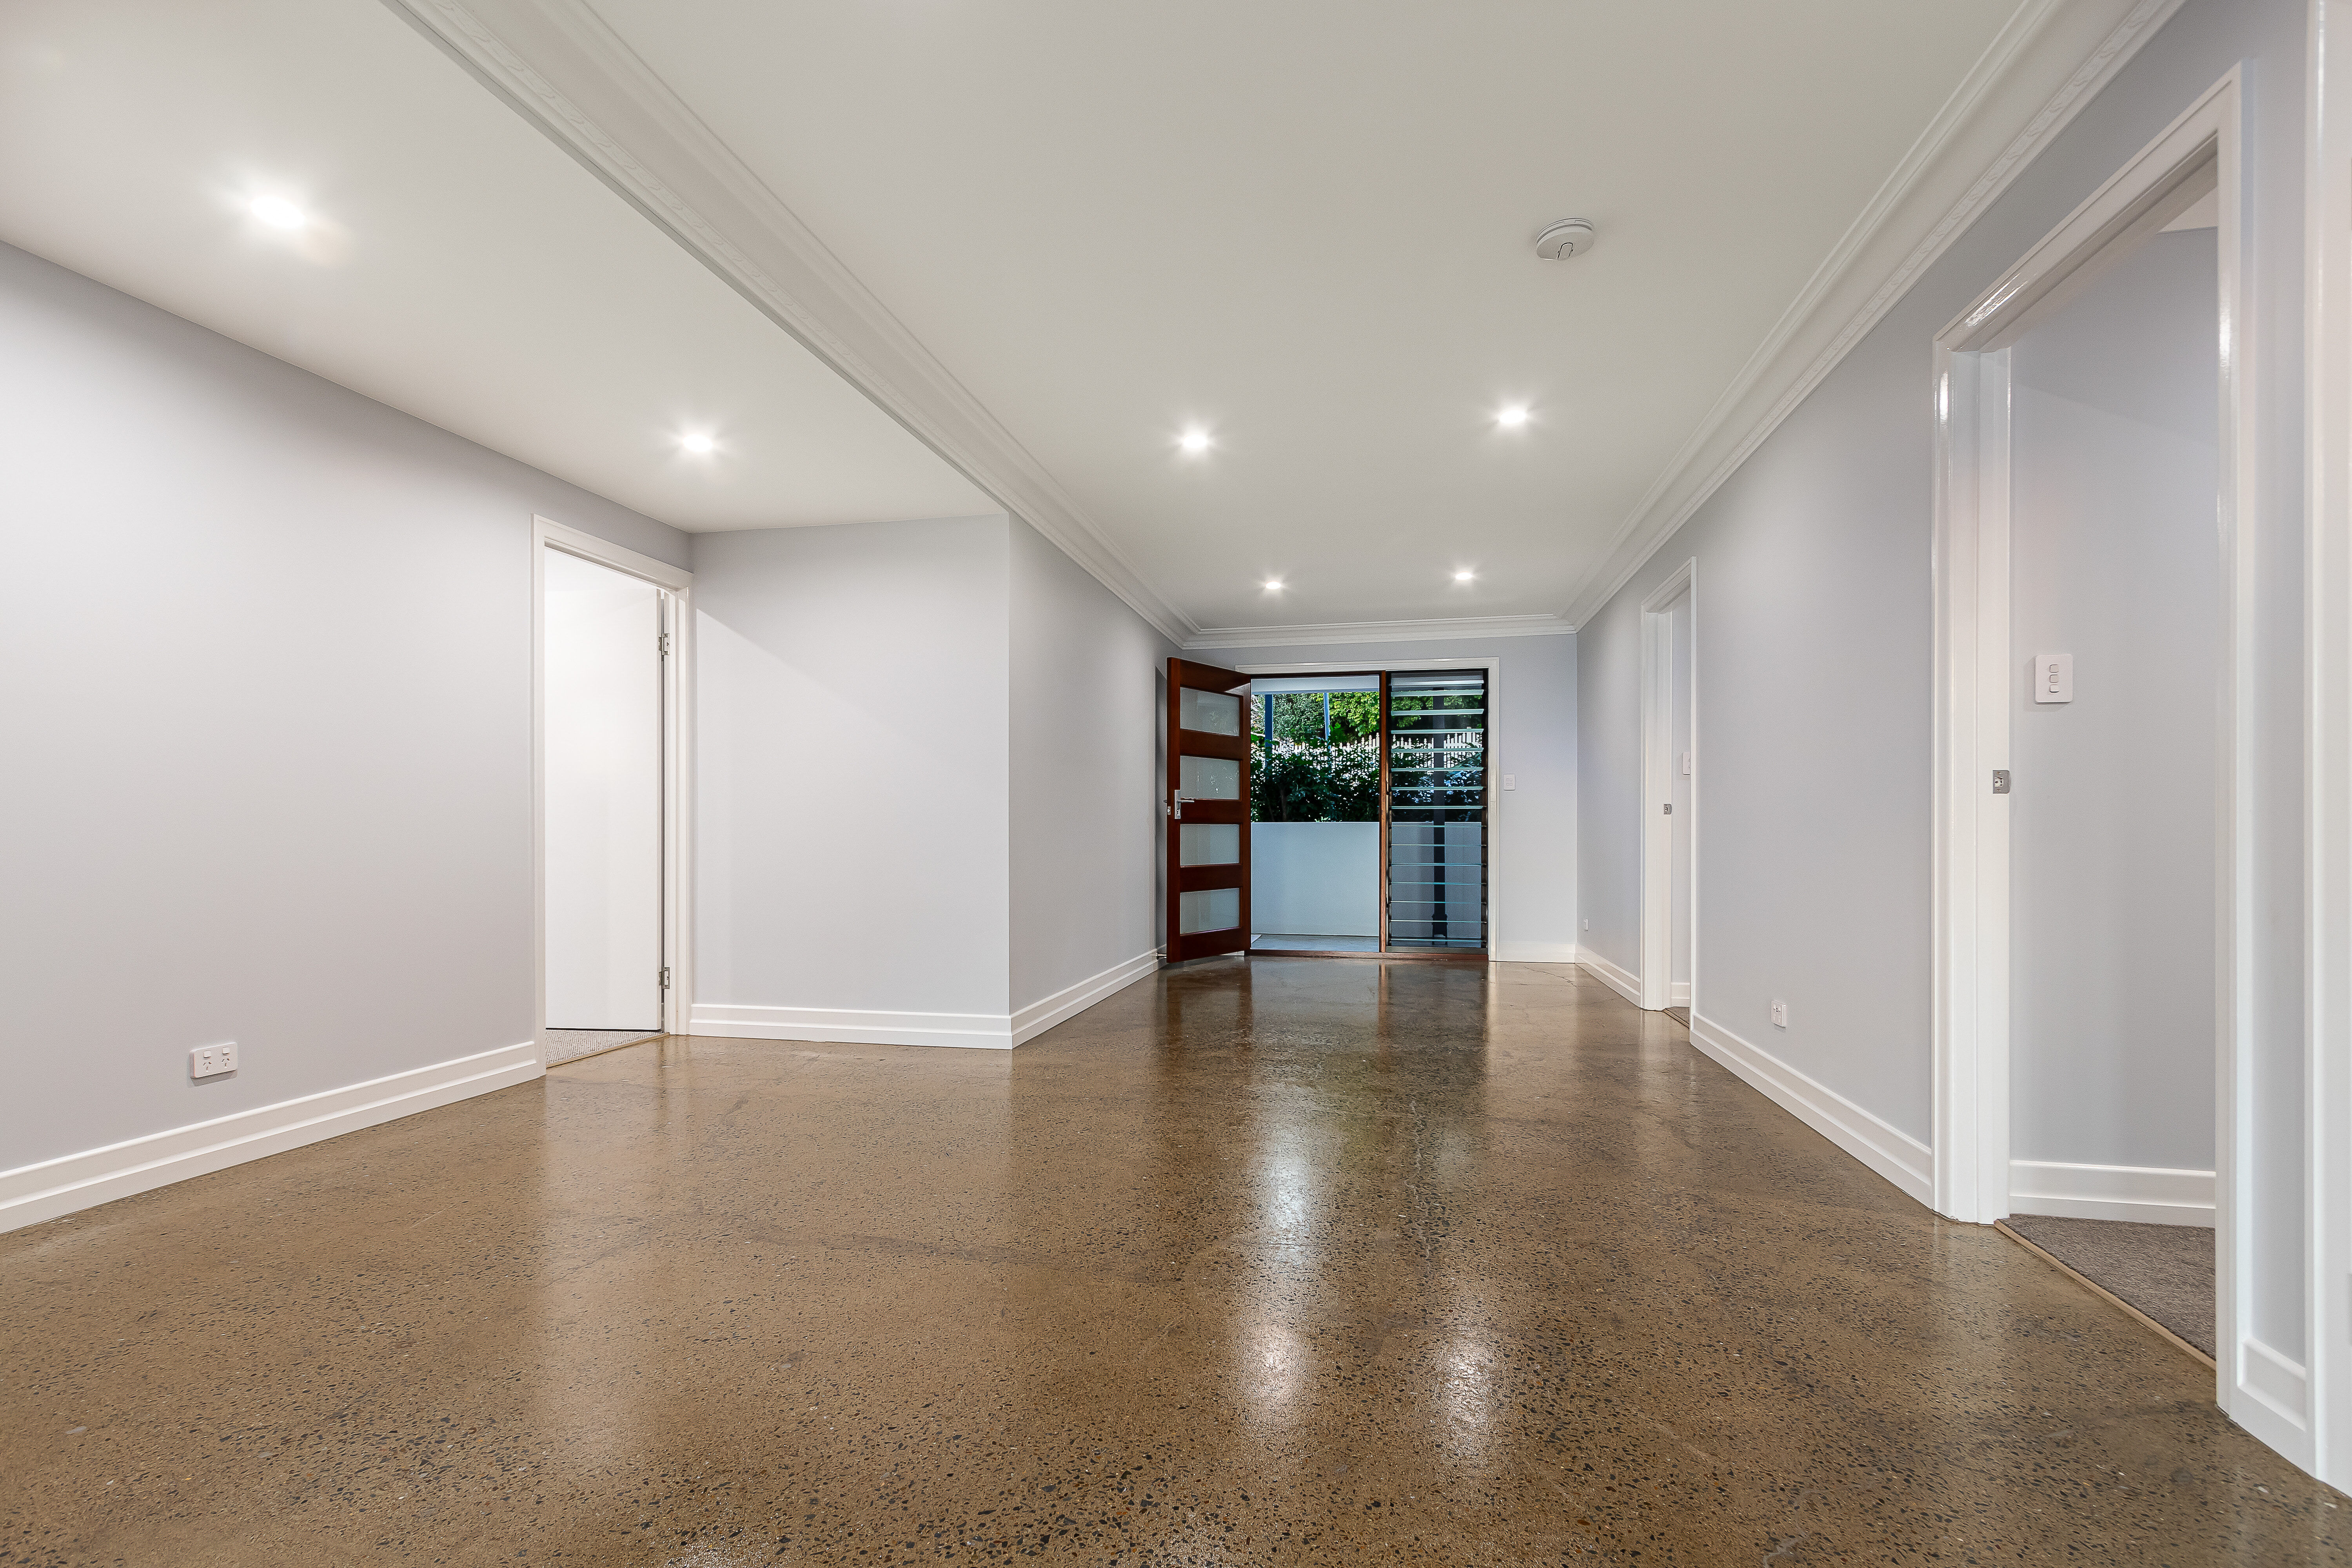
(850, 767)
(1813, 644)
(1535, 739)
(1089, 685)
(2115, 559)
(267, 670)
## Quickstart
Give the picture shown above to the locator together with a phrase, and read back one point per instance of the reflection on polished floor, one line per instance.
(1281, 1263)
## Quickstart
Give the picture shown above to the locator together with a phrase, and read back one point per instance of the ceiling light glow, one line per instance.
(699, 445)
(278, 213)
(1512, 417)
(1274, 585)
(1194, 442)
(1464, 576)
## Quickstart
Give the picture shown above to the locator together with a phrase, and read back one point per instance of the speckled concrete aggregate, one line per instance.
(1297, 1260)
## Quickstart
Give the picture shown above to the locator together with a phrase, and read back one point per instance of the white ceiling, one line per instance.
(466, 270)
(1309, 227)
(1050, 236)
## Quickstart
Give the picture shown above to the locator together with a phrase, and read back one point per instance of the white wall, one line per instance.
(850, 776)
(1533, 869)
(1814, 648)
(264, 652)
(1315, 879)
(2115, 559)
(927, 765)
(1090, 680)
(601, 769)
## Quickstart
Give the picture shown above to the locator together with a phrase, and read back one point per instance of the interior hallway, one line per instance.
(1255, 1263)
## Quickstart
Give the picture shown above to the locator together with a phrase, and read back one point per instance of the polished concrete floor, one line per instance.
(1306, 1261)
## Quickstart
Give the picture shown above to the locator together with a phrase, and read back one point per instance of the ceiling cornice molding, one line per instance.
(1466, 626)
(557, 64)
(2003, 114)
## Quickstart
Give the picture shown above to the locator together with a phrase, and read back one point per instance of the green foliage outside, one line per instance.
(1319, 761)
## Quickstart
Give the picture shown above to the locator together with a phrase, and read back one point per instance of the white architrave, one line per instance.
(2259, 1385)
(2327, 739)
(1657, 960)
(678, 763)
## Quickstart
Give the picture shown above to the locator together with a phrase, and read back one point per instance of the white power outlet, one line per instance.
(1588, 925)
(1780, 1013)
(212, 1060)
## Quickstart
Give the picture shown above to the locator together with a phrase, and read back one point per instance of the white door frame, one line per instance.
(2327, 739)
(1975, 685)
(1657, 960)
(1495, 812)
(678, 775)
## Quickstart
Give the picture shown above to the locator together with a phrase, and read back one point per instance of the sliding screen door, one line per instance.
(1208, 805)
(1435, 780)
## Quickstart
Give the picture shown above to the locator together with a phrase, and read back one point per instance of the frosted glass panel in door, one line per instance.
(1210, 844)
(1215, 909)
(1212, 713)
(602, 694)
(1210, 779)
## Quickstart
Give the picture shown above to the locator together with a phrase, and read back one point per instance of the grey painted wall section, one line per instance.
(1535, 739)
(850, 756)
(268, 667)
(2115, 559)
(1814, 648)
(1088, 696)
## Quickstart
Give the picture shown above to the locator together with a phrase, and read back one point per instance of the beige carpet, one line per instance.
(2165, 1270)
(571, 1044)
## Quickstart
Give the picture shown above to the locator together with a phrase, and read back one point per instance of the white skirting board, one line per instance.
(1624, 982)
(983, 1031)
(31, 1194)
(2145, 1194)
(1876, 1143)
(1040, 1016)
(1535, 952)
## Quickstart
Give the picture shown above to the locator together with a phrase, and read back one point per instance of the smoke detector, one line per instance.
(1570, 236)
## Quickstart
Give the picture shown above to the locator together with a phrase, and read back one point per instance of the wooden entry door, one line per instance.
(1207, 802)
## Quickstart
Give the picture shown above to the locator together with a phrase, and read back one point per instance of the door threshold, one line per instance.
(1477, 957)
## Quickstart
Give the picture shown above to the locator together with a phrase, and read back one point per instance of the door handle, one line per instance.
(1180, 798)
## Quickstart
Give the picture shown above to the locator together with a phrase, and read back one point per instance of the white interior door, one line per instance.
(1681, 786)
(602, 696)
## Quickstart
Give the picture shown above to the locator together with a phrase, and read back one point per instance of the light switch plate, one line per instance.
(1780, 1013)
(2054, 677)
(212, 1060)
(1510, 780)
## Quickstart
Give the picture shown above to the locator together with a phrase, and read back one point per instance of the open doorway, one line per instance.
(1315, 813)
(606, 721)
(1371, 812)
(2094, 754)
(2116, 658)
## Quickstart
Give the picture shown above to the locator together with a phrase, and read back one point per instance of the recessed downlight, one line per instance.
(278, 212)
(1194, 442)
(1511, 416)
(1465, 576)
(1274, 585)
(700, 445)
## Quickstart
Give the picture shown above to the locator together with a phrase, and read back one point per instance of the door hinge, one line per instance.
(665, 977)
(662, 641)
